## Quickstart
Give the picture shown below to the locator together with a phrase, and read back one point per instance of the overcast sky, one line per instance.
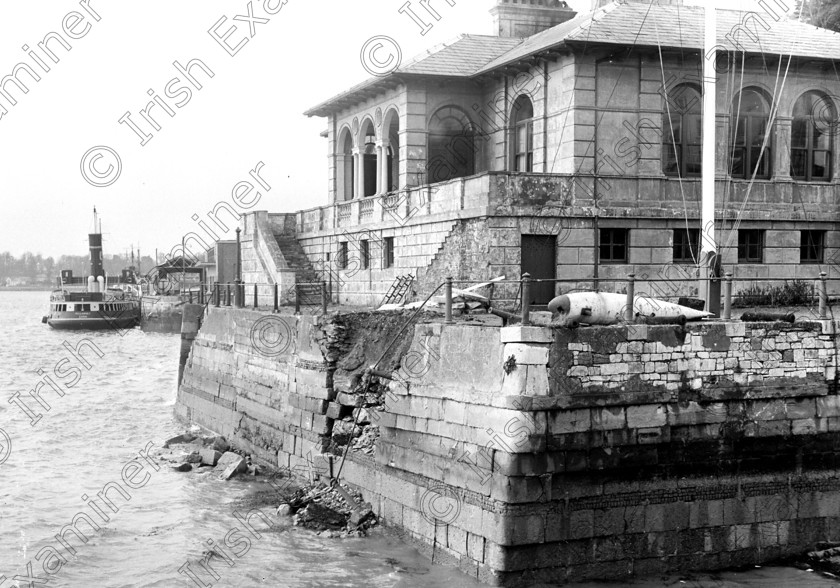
(250, 111)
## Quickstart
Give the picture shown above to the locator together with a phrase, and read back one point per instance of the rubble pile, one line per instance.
(190, 451)
(331, 511)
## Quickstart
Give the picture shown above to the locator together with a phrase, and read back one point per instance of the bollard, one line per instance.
(227, 298)
(631, 298)
(256, 294)
(201, 295)
(276, 297)
(324, 298)
(526, 300)
(449, 320)
(297, 298)
(189, 294)
(240, 295)
(217, 296)
(823, 297)
(727, 297)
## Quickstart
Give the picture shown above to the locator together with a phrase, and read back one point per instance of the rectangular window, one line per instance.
(614, 245)
(342, 255)
(524, 147)
(389, 252)
(812, 247)
(751, 246)
(686, 245)
(364, 247)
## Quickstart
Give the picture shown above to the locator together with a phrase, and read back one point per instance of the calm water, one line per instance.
(120, 404)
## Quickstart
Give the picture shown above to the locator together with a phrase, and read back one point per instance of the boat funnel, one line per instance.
(95, 246)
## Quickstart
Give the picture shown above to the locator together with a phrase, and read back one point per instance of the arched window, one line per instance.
(522, 128)
(749, 129)
(682, 132)
(452, 149)
(810, 138)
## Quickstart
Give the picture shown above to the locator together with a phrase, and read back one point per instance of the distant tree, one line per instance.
(821, 13)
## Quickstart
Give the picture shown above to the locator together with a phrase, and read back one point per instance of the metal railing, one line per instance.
(526, 283)
(237, 295)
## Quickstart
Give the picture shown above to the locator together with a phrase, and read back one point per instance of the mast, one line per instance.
(709, 259)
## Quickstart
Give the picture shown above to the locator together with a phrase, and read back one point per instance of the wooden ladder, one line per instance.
(396, 294)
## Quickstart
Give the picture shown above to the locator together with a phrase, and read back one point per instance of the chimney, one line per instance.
(523, 18)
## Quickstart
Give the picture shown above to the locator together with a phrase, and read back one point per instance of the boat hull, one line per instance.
(94, 322)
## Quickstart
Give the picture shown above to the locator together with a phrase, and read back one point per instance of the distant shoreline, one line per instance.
(25, 289)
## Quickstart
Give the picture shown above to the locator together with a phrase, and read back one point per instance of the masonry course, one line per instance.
(726, 457)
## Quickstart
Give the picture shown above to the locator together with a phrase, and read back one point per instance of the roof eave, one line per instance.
(369, 89)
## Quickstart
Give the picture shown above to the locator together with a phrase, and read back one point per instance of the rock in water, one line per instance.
(184, 467)
(179, 440)
(194, 457)
(284, 510)
(231, 464)
(210, 456)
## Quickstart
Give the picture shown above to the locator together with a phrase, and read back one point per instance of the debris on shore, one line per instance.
(191, 452)
(334, 511)
(331, 510)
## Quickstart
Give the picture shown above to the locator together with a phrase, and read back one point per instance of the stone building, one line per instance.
(568, 146)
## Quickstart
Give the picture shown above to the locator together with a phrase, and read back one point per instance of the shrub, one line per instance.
(791, 293)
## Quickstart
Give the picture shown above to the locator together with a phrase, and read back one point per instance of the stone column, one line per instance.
(383, 166)
(380, 184)
(781, 150)
(358, 180)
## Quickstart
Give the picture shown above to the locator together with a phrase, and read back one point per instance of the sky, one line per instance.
(64, 151)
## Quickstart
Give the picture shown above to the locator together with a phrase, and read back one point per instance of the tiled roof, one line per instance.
(618, 23)
(680, 27)
(462, 57)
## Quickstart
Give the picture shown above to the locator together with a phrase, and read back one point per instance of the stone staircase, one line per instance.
(296, 258)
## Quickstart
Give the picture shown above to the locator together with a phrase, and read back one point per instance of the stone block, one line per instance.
(475, 547)
(527, 353)
(337, 411)
(230, 464)
(828, 406)
(536, 383)
(646, 416)
(607, 418)
(520, 334)
(569, 421)
(210, 456)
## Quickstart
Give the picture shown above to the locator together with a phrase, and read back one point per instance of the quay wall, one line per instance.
(526, 454)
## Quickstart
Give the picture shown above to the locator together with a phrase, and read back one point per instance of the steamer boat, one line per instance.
(92, 303)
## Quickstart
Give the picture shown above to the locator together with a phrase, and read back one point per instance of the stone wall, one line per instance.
(526, 455)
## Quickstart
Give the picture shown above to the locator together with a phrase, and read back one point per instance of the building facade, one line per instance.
(568, 146)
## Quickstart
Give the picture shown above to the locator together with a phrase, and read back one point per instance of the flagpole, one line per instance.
(709, 260)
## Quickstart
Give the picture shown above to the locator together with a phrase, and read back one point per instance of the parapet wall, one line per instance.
(528, 455)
